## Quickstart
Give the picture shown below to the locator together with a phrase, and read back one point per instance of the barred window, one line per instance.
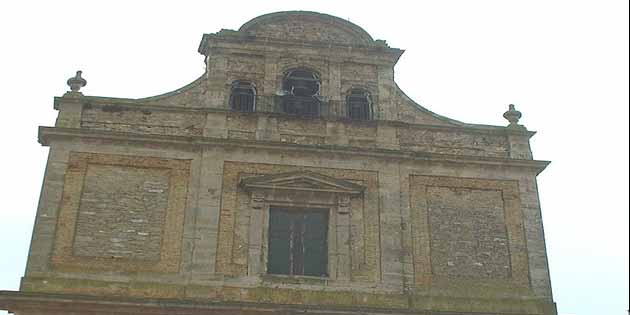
(298, 242)
(301, 88)
(359, 105)
(243, 96)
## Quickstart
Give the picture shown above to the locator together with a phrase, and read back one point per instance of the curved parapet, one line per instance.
(306, 26)
(190, 95)
(262, 49)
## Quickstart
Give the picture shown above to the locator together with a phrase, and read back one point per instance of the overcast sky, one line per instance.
(563, 63)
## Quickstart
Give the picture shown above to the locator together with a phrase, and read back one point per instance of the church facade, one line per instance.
(292, 177)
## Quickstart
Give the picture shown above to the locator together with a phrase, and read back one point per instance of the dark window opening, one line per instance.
(243, 96)
(359, 105)
(298, 242)
(301, 88)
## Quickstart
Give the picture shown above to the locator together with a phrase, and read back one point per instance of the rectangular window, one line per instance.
(298, 242)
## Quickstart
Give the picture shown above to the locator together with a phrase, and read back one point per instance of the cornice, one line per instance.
(264, 44)
(47, 135)
(80, 304)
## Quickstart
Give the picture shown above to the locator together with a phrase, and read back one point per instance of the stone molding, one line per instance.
(26, 303)
(302, 181)
(421, 232)
(48, 134)
(63, 256)
(248, 194)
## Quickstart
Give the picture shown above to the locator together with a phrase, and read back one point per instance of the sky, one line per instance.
(563, 63)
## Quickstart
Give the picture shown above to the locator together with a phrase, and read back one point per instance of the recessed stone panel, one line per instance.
(121, 212)
(468, 233)
(232, 243)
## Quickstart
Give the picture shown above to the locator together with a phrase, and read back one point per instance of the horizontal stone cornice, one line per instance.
(210, 41)
(48, 134)
(85, 304)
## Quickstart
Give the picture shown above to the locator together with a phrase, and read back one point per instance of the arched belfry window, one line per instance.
(243, 96)
(301, 93)
(359, 105)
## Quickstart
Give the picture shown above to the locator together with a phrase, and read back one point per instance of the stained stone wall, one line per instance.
(116, 118)
(304, 27)
(144, 198)
(122, 212)
(468, 233)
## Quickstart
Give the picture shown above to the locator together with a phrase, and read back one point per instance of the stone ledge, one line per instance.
(31, 303)
(47, 134)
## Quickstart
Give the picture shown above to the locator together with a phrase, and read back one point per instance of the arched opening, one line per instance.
(301, 87)
(243, 96)
(359, 104)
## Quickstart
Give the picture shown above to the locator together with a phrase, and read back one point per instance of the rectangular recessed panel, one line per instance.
(468, 233)
(122, 212)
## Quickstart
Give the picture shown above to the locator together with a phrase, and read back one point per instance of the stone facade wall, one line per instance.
(304, 28)
(468, 233)
(468, 230)
(215, 229)
(453, 142)
(121, 213)
(233, 238)
(120, 119)
(260, 126)
(145, 198)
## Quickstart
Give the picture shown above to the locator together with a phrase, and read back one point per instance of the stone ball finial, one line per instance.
(77, 82)
(513, 116)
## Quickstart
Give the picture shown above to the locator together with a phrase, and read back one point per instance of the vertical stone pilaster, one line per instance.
(207, 216)
(47, 210)
(336, 104)
(216, 125)
(387, 136)
(519, 146)
(271, 74)
(392, 252)
(217, 81)
(343, 238)
(70, 110)
(385, 109)
(256, 227)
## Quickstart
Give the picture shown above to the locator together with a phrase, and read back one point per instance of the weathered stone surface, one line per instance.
(305, 26)
(149, 198)
(121, 119)
(468, 233)
(122, 212)
(453, 142)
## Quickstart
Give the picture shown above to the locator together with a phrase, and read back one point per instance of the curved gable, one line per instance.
(306, 26)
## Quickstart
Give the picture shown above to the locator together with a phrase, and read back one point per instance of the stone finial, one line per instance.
(77, 82)
(513, 116)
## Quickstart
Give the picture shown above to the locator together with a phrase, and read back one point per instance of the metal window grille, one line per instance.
(301, 88)
(298, 242)
(359, 105)
(243, 97)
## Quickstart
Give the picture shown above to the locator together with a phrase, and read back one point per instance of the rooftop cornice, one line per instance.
(240, 38)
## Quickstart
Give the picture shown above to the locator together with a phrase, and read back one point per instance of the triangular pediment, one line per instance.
(302, 181)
